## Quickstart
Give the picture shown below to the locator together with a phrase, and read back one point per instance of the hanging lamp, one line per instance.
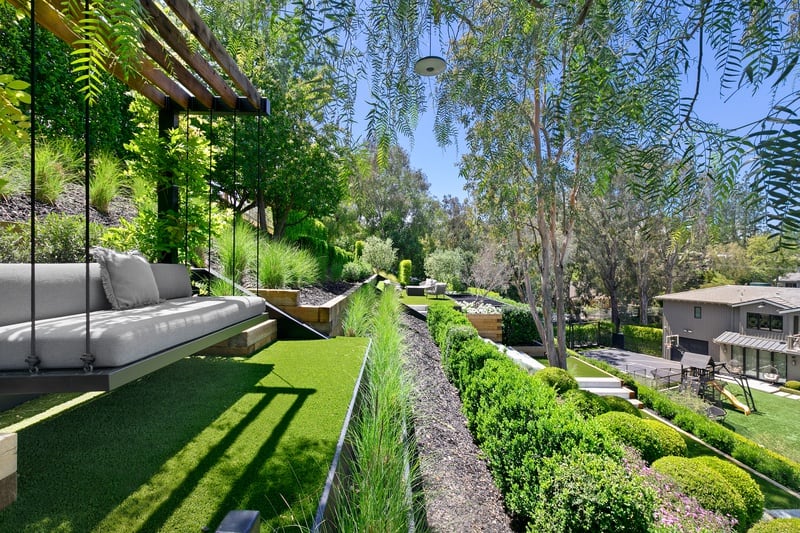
(430, 65)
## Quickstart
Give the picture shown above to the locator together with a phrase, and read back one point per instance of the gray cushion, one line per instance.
(127, 279)
(122, 337)
(172, 280)
(60, 290)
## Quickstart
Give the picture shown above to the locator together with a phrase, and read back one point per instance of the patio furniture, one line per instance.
(437, 290)
(419, 290)
(715, 413)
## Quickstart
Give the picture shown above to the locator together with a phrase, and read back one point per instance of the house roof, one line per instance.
(791, 276)
(736, 295)
(747, 341)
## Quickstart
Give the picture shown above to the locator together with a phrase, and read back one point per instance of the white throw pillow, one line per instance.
(127, 279)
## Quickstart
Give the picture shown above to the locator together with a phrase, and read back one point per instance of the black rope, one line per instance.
(32, 359)
(186, 200)
(87, 358)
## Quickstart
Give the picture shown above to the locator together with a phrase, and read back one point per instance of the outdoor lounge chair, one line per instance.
(436, 290)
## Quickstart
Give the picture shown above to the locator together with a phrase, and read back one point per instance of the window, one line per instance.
(698, 311)
(764, 322)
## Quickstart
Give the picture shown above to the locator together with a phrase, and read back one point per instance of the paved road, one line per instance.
(634, 363)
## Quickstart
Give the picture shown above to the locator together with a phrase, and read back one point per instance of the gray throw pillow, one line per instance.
(127, 279)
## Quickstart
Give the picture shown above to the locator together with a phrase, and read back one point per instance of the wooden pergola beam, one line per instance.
(54, 21)
(203, 33)
(173, 37)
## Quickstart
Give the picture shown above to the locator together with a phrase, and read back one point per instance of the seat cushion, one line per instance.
(122, 337)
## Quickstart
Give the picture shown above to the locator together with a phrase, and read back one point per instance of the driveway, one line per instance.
(635, 363)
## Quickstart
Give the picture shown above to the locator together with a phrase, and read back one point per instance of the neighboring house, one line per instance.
(757, 326)
(791, 279)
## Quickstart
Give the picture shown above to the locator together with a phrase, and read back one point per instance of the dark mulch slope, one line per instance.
(459, 492)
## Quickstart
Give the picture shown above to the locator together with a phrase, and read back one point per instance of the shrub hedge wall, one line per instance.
(643, 339)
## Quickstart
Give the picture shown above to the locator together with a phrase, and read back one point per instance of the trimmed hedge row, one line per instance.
(643, 339)
(769, 463)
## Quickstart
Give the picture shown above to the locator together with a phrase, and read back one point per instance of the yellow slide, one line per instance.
(731, 398)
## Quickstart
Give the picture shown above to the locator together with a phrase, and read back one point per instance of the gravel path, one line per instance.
(459, 492)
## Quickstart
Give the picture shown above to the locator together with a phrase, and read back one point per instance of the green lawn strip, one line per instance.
(774, 497)
(34, 407)
(424, 300)
(580, 369)
(180, 448)
(775, 424)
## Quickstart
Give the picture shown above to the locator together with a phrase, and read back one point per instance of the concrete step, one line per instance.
(620, 392)
(599, 383)
(636, 403)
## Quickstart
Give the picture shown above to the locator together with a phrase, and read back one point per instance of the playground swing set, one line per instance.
(700, 374)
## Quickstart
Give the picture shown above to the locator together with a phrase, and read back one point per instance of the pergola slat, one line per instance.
(203, 34)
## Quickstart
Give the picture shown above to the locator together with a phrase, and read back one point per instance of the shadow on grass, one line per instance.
(134, 455)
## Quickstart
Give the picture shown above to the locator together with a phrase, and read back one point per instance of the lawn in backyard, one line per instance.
(775, 424)
(178, 449)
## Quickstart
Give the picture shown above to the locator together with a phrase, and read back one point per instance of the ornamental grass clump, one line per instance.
(236, 246)
(283, 265)
(106, 181)
(357, 321)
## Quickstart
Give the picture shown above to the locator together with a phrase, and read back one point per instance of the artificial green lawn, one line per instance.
(180, 448)
(775, 423)
(580, 369)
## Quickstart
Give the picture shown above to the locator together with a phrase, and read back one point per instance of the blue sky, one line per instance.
(440, 164)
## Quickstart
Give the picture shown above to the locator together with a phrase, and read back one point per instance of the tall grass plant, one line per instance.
(283, 265)
(236, 247)
(58, 162)
(106, 182)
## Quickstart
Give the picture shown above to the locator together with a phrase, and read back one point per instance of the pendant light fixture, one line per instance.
(430, 65)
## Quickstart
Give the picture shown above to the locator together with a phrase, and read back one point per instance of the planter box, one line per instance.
(247, 342)
(489, 326)
(8, 469)
(279, 297)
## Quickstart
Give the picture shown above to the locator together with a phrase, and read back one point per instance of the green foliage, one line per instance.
(405, 272)
(557, 378)
(778, 525)
(358, 249)
(236, 246)
(464, 353)
(791, 384)
(59, 239)
(357, 321)
(740, 480)
(710, 488)
(379, 253)
(441, 317)
(769, 463)
(586, 402)
(13, 171)
(283, 265)
(590, 492)
(670, 441)
(448, 266)
(621, 405)
(643, 339)
(14, 123)
(106, 180)
(633, 431)
(519, 329)
(58, 162)
(356, 271)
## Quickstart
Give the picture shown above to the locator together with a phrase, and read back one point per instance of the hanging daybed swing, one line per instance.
(135, 317)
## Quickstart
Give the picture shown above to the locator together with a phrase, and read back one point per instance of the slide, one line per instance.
(731, 398)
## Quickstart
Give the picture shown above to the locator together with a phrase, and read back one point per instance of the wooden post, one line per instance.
(8, 469)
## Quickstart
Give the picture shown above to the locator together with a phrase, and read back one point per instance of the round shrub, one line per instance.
(670, 441)
(587, 403)
(634, 432)
(404, 275)
(558, 378)
(355, 271)
(779, 525)
(615, 403)
(706, 485)
(741, 481)
(792, 384)
(589, 492)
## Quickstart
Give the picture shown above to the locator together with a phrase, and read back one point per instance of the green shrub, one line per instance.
(467, 353)
(778, 525)
(747, 488)
(106, 180)
(557, 378)
(448, 266)
(283, 265)
(769, 463)
(519, 329)
(589, 492)
(379, 253)
(358, 250)
(615, 403)
(634, 432)
(405, 272)
(58, 162)
(643, 339)
(356, 271)
(441, 317)
(587, 403)
(670, 441)
(791, 384)
(706, 485)
(236, 247)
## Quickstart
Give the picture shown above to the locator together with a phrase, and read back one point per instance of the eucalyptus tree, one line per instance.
(547, 100)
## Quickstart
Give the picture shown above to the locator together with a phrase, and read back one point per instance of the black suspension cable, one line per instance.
(210, 176)
(258, 201)
(233, 197)
(32, 359)
(87, 357)
(186, 199)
